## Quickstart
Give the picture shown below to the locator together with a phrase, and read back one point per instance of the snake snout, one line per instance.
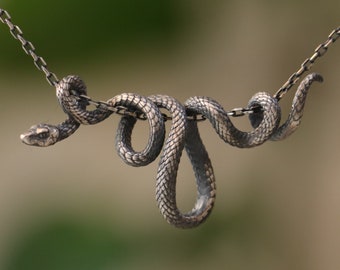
(40, 135)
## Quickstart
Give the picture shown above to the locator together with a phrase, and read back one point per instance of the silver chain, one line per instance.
(52, 79)
(28, 47)
(308, 63)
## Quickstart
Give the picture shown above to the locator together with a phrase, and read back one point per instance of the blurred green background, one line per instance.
(76, 205)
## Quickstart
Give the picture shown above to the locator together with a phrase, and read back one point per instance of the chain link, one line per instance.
(52, 79)
(307, 64)
(28, 47)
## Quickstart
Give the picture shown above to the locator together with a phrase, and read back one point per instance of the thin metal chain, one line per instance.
(28, 47)
(307, 64)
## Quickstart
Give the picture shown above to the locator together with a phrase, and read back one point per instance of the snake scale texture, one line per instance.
(183, 134)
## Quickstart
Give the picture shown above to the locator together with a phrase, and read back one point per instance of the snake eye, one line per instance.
(42, 133)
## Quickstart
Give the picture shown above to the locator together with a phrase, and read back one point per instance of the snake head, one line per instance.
(40, 135)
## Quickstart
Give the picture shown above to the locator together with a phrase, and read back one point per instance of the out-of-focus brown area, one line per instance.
(76, 205)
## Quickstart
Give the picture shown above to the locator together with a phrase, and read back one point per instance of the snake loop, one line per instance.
(182, 134)
(265, 122)
(66, 89)
(126, 124)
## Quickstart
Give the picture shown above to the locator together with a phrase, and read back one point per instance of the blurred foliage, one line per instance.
(71, 29)
(67, 243)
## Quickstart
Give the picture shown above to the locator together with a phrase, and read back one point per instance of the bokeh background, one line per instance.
(76, 205)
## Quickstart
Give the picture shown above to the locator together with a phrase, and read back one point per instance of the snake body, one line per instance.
(183, 134)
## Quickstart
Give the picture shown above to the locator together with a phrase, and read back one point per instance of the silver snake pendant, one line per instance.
(183, 134)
